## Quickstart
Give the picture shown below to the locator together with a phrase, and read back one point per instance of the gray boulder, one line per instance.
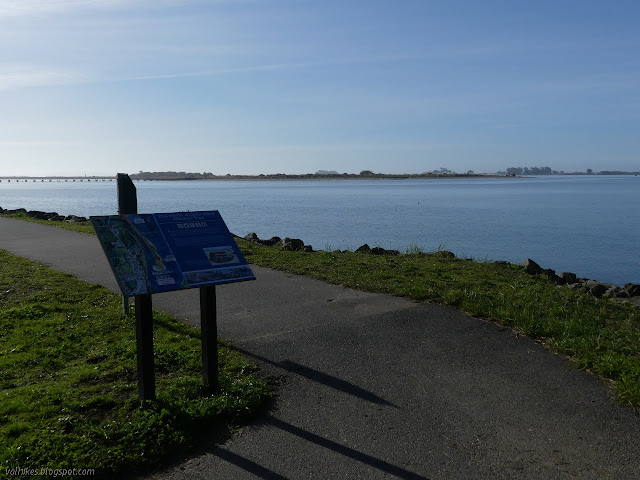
(291, 243)
(531, 267)
(272, 241)
(36, 214)
(567, 278)
(252, 237)
(613, 290)
(41, 215)
(598, 289)
(633, 289)
(551, 274)
(363, 249)
(376, 250)
(74, 218)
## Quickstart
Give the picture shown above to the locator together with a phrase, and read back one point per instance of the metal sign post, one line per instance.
(209, 332)
(128, 203)
(144, 343)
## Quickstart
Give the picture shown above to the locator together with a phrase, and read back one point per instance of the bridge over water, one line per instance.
(56, 179)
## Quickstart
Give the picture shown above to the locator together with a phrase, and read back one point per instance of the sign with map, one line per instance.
(159, 252)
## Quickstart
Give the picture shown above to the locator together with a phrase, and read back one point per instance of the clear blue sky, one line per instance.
(260, 86)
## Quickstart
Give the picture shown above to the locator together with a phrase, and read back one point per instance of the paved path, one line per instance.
(379, 387)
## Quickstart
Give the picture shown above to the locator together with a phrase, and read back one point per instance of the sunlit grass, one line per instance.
(68, 379)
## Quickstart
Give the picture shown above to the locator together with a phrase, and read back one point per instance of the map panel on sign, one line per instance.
(152, 253)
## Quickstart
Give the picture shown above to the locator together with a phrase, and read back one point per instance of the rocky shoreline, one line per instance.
(594, 287)
(629, 292)
(53, 216)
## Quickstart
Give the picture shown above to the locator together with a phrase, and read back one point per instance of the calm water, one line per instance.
(589, 225)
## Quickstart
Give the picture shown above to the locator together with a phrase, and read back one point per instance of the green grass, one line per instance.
(68, 387)
(599, 335)
(84, 227)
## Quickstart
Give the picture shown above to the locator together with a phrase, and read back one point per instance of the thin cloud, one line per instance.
(22, 77)
(436, 54)
(10, 8)
(585, 84)
(38, 144)
(355, 147)
(284, 66)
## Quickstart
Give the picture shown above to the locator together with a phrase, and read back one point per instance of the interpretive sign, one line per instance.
(160, 252)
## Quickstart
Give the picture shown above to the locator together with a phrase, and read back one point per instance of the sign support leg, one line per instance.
(144, 341)
(209, 332)
(127, 204)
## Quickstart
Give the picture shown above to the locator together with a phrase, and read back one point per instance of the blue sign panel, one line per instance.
(159, 252)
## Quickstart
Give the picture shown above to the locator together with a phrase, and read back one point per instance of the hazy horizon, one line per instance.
(113, 175)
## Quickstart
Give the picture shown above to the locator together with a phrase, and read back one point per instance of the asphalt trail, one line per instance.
(374, 386)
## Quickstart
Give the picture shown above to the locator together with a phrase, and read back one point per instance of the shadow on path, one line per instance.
(248, 465)
(320, 377)
(346, 451)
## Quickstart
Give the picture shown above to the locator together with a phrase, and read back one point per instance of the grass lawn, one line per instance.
(68, 387)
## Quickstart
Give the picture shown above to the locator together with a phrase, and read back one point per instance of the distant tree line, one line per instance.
(170, 175)
(512, 171)
(369, 174)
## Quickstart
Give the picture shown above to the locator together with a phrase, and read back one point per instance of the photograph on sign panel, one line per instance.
(221, 275)
(221, 255)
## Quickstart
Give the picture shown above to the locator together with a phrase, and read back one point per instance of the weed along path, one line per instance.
(373, 386)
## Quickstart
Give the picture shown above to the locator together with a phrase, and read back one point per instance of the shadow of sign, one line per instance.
(266, 473)
(247, 465)
(346, 451)
(321, 377)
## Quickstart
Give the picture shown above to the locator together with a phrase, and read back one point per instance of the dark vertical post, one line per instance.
(127, 196)
(209, 332)
(128, 203)
(144, 342)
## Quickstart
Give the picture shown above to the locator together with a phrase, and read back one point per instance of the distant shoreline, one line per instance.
(262, 177)
(321, 176)
(181, 176)
(355, 176)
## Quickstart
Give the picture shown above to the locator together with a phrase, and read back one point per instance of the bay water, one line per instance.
(588, 224)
